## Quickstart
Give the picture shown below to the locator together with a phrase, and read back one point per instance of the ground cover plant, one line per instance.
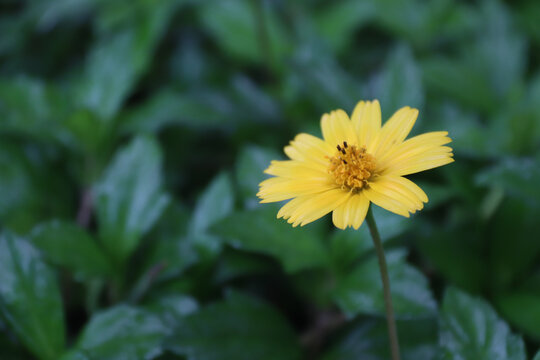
(133, 138)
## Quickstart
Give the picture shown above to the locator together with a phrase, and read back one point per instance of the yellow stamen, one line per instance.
(351, 167)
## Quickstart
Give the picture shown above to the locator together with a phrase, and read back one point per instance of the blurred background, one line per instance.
(133, 136)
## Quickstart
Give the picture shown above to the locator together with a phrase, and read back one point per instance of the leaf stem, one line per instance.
(390, 319)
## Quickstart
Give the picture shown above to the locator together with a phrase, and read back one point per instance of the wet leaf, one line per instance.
(361, 291)
(470, 329)
(295, 248)
(30, 298)
(239, 327)
(67, 245)
(129, 196)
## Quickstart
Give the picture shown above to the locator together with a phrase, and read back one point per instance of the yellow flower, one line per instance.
(358, 162)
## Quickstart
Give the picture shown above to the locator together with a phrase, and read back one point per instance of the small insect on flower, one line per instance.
(358, 162)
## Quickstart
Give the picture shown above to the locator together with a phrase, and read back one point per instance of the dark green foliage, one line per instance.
(30, 298)
(133, 137)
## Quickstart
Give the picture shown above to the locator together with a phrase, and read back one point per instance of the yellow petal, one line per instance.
(305, 209)
(279, 189)
(366, 119)
(337, 128)
(307, 147)
(410, 186)
(294, 169)
(380, 198)
(428, 159)
(352, 212)
(419, 143)
(394, 131)
(402, 190)
(423, 164)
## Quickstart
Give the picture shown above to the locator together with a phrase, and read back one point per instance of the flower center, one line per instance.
(351, 167)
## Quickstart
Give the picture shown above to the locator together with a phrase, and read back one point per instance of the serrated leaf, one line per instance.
(361, 291)
(129, 196)
(368, 339)
(68, 245)
(470, 329)
(30, 298)
(295, 248)
(120, 333)
(237, 328)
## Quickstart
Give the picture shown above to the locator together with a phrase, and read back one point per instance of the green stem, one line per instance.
(392, 331)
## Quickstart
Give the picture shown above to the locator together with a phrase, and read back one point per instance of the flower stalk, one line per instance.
(390, 319)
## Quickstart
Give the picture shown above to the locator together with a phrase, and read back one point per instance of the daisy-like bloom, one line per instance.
(358, 162)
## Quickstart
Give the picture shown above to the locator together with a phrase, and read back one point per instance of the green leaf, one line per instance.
(470, 329)
(43, 112)
(129, 197)
(120, 333)
(327, 85)
(27, 186)
(235, 264)
(421, 23)
(119, 57)
(295, 248)
(441, 246)
(215, 203)
(200, 110)
(32, 108)
(338, 21)
(516, 176)
(515, 220)
(522, 309)
(537, 357)
(400, 83)
(30, 298)
(170, 246)
(460, 82)
(361, 291)
(251, 163)
(172, 309)
(347, 246)
(20, 194)
(10, 349)
(237, 328)
(233, 24)
(368, 339)
(499, 49)
(68, 245)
